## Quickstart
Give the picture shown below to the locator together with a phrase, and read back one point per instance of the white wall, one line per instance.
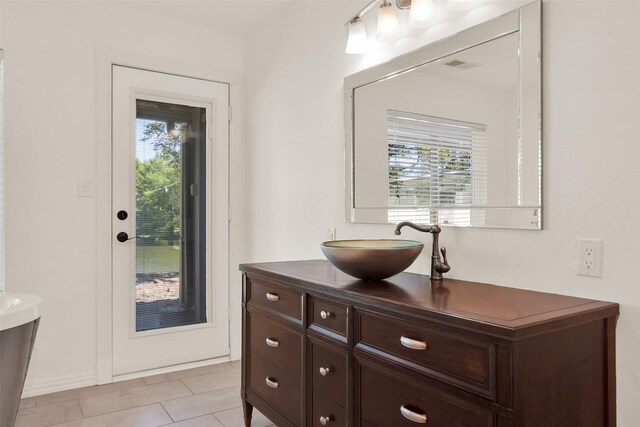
(50, 51)
(1, 171)
(295, 67)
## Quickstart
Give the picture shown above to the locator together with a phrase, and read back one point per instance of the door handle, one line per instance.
(326, 420)
(413, 344)
(272, 343)
(271, 382)
(412, 415)
(273, 297)
(123, 237)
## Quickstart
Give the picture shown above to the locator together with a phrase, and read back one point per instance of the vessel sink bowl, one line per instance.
(372, 259)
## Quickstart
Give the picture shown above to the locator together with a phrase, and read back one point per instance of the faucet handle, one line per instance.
(444, 266)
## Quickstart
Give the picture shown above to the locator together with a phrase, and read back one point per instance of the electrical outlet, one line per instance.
(331, 234)
(590, 257)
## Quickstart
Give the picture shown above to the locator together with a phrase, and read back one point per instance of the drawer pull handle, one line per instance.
(324, 371)
(273, 297)
(325, 420)
(272, 343)
(325, 314)
(413, 416)
(413, 344)
(271, 383)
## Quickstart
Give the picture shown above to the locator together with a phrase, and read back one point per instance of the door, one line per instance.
(170, 228)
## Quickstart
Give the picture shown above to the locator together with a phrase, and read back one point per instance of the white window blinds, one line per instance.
(435, 162)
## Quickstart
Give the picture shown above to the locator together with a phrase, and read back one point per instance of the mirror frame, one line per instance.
(527, 20)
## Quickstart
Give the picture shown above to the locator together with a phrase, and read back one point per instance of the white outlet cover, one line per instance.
(590, 256)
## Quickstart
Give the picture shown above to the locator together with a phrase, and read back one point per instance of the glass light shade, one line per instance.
(421, 11)
(387, 20)
(455, 5)
(358, 41)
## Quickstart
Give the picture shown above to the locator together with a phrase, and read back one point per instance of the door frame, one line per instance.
(106, 58)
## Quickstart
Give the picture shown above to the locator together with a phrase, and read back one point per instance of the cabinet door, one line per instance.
(275, 298)
(326, 412)
(278, 386)
(328, 365)
(388, 398)
(456, 357)
(328, 317)
(275, 341)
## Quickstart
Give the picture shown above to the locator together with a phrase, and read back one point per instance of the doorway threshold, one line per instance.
(172, 368)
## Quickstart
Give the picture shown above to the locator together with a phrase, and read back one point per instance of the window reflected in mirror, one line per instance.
(435, 162)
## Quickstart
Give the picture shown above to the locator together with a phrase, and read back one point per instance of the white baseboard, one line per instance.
(68, 382)
(52, 385)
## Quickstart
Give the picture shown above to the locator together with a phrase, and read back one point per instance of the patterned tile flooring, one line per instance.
(208, 396)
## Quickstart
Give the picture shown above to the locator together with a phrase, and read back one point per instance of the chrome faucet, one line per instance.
(438, 266)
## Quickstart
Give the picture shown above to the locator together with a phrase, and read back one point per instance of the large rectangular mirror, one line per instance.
(451, 133)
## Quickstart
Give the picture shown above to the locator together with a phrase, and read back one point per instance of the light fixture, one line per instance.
(358, 41)
(421, 11)
(387, 19)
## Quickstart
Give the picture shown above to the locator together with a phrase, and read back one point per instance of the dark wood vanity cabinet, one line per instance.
(322, 348)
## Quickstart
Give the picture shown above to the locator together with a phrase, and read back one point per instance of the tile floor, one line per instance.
(208, 396)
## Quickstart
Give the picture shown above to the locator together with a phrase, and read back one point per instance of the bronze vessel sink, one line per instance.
(372, 259)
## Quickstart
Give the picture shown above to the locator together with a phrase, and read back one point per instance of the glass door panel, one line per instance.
(170, 210)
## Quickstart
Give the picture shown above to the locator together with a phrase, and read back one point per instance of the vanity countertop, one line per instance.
(501, 311)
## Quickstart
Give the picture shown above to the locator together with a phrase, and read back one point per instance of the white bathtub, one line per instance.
(19, 320)
(18, 309)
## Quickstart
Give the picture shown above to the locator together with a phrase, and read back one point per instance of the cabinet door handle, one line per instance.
(325, 420)
(324, 371)
(325, 314)
(413, 344)
(272, 343)
(271, 382)
(273, 297)
(413, 416)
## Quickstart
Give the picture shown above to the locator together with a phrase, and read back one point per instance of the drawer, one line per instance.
(389, 399)
(460, 358)
(281, 387)
(326, 409)
(276, 343)
(329, 371)
(275, 298)
(329, 315)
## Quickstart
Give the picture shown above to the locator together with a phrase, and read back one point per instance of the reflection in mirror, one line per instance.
(453, 139)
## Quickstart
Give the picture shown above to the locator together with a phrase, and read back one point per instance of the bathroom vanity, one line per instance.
(322, 348)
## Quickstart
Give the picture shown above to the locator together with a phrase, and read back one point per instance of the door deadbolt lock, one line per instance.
(122, 215)
(123, 237)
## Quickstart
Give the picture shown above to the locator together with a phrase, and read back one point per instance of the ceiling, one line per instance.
(495, 65)
(237, 16)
